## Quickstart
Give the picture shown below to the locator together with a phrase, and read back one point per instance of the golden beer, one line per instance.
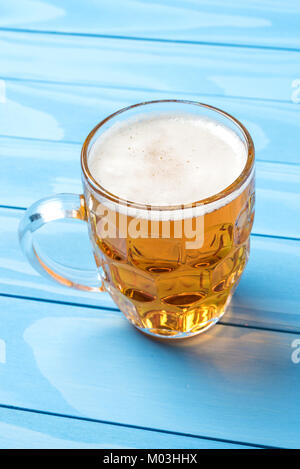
(169, 203)
(163, 287)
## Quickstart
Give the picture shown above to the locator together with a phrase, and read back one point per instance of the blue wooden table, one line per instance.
(73, 372)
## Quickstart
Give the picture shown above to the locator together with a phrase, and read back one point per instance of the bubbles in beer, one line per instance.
(167, 159)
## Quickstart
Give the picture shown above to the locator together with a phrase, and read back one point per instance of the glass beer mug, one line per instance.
(171, 268)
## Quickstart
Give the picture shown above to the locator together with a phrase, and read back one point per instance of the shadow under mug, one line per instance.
(166, 285)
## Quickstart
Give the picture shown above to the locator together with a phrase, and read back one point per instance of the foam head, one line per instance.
(167, 159)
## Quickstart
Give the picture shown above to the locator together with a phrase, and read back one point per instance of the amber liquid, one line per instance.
(162, 287)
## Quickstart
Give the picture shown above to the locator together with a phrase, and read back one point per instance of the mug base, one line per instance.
(168, 334)
(174, 335)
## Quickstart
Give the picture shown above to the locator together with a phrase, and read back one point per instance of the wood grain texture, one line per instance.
(141, 65)
(73, 353)
(29, 430)
(68, 113)
(231, 383)
(262, 23)
(55, 167)
(262, 299)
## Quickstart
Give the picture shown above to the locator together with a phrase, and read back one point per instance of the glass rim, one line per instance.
(235, 185)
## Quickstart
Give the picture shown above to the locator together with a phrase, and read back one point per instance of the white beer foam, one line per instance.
(168, 159)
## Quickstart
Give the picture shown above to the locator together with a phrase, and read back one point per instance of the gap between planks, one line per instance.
(148, 39)
(137, 427)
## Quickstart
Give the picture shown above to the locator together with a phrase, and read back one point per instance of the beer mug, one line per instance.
(170, 267)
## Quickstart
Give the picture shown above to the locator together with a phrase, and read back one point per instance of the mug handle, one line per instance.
(44, 211)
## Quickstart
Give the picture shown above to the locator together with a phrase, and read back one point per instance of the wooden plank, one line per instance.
(268, 294)
(142, 65)
(262, 23)
(29, 430)
(67, 113)
(232, 383)
(55, 167)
